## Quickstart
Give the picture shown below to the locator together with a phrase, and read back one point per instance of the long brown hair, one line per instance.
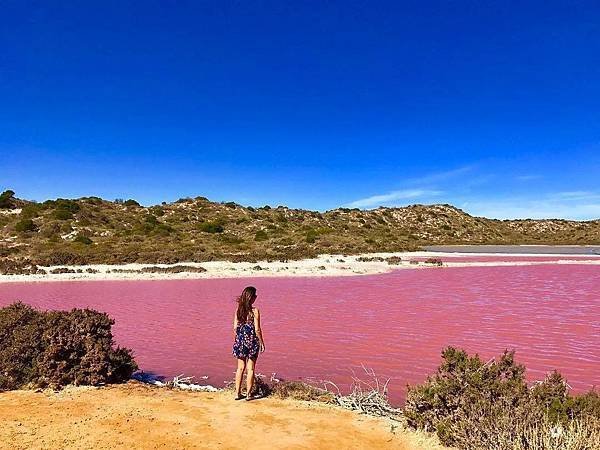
(245, 303)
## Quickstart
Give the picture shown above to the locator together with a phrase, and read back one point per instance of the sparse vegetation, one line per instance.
(211, 227)
(185, 231)
(261, 235)
(25, 226)
(82, 239)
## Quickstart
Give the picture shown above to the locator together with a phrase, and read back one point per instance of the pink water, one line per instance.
(504, 258)
(323, 328)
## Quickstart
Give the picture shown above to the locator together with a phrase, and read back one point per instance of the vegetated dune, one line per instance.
(91, 230)
(138, 416)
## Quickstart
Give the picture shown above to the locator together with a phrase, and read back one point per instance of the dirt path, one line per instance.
(137, 416)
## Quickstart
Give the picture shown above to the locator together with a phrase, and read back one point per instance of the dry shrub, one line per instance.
(56, 348)
(370, 259)
(58, 258)
(368, 396)
(579, 434)
(59, 270)
(475, 405)
(173, 269)
(298, 390)
(434, 261)
(18, 267)
(279, 388)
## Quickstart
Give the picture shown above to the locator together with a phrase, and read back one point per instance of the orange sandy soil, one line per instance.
(139, 416)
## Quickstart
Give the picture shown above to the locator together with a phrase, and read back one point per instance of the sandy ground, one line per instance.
(324, 265)
(138, 416)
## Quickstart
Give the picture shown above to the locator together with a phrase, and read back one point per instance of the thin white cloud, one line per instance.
(441, 176)
(575, 195)
(559, 205)
(380, 200)
(425, 188)
(528, 177)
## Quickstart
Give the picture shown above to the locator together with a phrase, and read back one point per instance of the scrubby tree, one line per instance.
(6, 199)
(25, 225)
(131, 202)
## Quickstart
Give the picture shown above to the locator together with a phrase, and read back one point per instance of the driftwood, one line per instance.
(368, 397)
(178, 382)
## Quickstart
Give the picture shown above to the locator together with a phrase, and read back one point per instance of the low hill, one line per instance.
(92, 230)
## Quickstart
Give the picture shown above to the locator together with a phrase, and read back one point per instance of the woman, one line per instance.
(248, 340)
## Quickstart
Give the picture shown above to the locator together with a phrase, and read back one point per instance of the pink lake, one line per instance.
(326, 327)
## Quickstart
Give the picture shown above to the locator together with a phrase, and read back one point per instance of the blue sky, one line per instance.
(490, 106)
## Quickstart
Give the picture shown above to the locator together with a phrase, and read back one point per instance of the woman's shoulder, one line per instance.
(255, 310)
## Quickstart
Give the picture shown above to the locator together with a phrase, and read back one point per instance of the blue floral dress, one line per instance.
(246, 343)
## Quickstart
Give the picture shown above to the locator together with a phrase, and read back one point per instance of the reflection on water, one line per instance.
(324, 328)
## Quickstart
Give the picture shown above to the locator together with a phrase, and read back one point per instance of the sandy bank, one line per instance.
(324, 265)
(138, 416)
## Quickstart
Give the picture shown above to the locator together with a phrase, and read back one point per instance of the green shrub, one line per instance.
(25, 226)
(162, 229)
(211, 227)
(62, 203)
(311, 236)
(157, 211)
(231, 239)
(261, 235)
(93, 200)
(80, 238)
(6, 199)
(472, 404)
(231, 205)
(131, 202)
(69, 205)
(31, 211)
(151, 219)
(62, 214)
(57, 348)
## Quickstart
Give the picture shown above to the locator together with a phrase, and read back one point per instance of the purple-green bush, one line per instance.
(57, 348)
(470, 403)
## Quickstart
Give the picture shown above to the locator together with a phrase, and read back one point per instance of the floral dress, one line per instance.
(246, 343)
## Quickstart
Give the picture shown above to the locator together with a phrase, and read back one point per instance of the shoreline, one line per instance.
(321, 266)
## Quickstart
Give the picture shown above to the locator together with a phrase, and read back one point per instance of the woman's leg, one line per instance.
(250, 376)
(239, 373)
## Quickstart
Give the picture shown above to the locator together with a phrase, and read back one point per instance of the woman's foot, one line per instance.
(239, 397)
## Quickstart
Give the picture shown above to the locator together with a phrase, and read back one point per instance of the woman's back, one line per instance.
(248, 339)
(250, 316)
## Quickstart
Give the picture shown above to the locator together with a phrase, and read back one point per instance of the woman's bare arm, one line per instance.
(258, 329)
(235, 323)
